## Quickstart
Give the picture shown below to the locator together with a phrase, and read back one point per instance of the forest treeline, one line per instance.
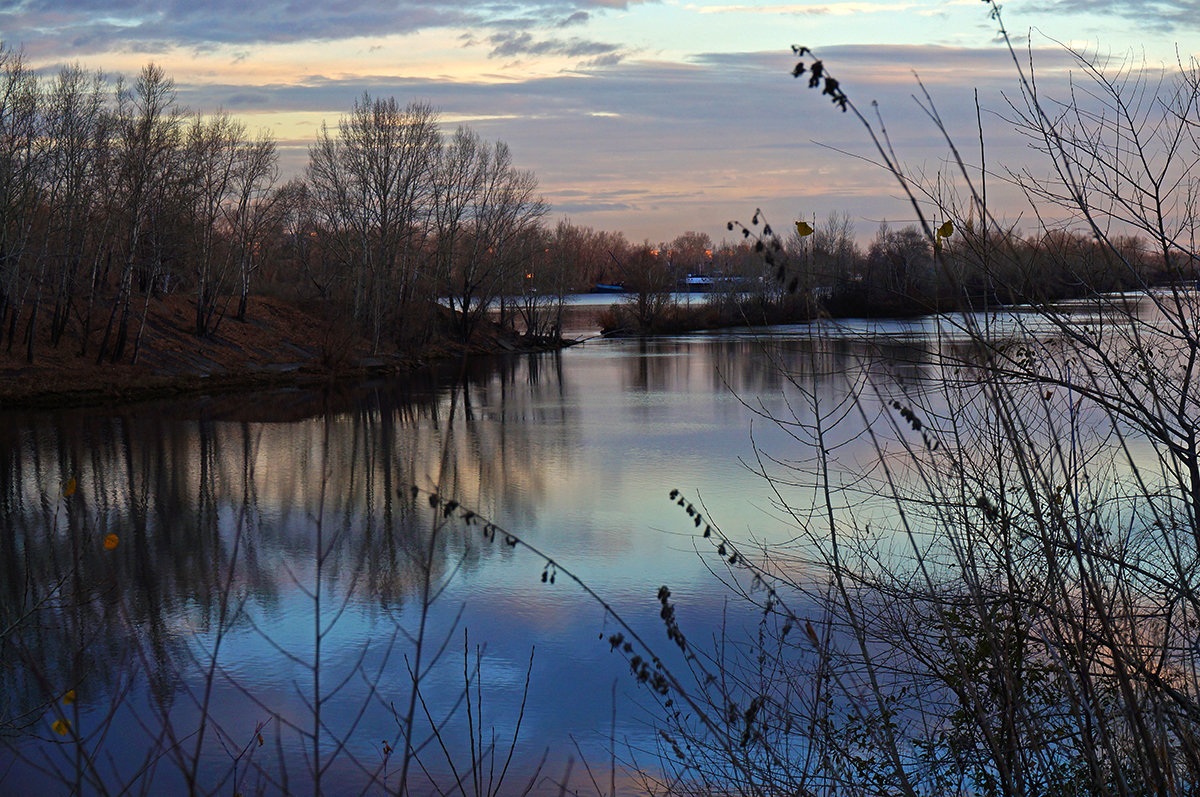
(113, 196)
(902, 272)
(821, 268)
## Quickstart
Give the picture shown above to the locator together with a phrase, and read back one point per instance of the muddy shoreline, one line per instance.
(280, 345)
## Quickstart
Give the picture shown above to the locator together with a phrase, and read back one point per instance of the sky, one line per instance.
(647, 117)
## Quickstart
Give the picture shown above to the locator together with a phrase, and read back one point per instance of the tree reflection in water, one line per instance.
(273, 595)
(257, 625)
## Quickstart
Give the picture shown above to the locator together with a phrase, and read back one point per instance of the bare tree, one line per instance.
(371, 183)
(21, 150)
(148, 132)
(834, 253)
(899, 263)
(255, 211)
(211, 153)
(300, 228)
(457, 181)
(558, 264)
(78, 125)
(651, 284)
(502, 209)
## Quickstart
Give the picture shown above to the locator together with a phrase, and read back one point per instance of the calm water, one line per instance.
(271, 560)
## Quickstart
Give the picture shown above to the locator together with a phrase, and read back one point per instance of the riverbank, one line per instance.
(280, 344)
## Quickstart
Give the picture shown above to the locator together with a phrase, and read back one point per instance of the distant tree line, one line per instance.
(114, 196)
(822, 268)
(898, 274)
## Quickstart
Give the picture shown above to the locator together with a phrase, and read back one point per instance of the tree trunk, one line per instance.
(137, 342)
(31, 326)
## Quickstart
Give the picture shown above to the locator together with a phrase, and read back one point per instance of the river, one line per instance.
(272, 581)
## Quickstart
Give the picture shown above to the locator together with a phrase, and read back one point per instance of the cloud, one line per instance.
(154, 26)
(612, 59)
(87, 26)
(578, 18)
(1161, 16)
(859, 66)
(511, 44)
(654, 147)
(809, 9)
(570, 208)
(248, 99)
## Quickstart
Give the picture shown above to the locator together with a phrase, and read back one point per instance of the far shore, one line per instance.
(286, 344)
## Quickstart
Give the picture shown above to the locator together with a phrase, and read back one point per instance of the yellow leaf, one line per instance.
(68, 487)
(111, 541)
(68, 698)
(946, 230)
(61, 727)
(803, 229)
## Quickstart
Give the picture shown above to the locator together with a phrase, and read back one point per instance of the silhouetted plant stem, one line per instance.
(553, 567)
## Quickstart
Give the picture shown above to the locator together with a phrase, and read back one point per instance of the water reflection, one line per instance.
(231, 529)
(751, 363)
(274, 566)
